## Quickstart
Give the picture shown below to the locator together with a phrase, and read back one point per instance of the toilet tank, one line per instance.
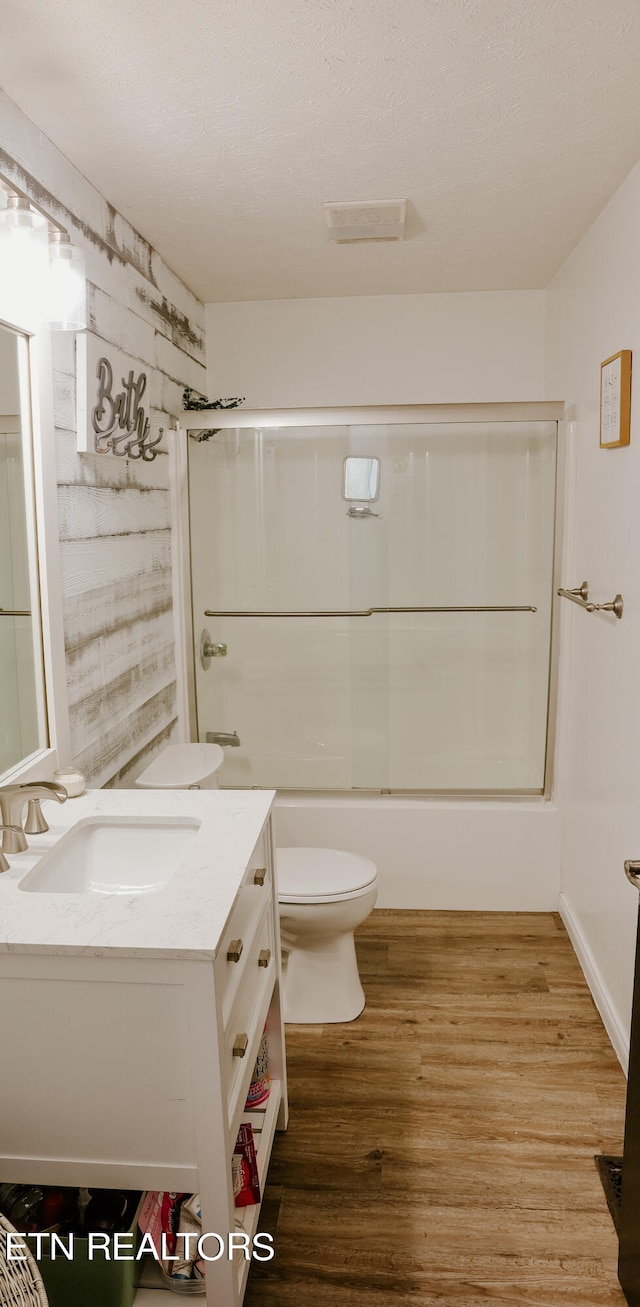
(183, 767)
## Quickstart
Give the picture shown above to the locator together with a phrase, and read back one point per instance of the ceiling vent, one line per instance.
(375, 220)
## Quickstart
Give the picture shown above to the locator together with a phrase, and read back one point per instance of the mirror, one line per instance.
(23, 722)
(361, 479)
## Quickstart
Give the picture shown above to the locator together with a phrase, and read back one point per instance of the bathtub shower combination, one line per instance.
(372, 601)
(371, 604)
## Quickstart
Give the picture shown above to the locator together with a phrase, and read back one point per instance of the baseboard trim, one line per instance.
(599, 992)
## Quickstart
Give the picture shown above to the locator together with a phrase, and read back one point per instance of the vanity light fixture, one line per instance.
(66, 286)
(42, 275)
(23, 261)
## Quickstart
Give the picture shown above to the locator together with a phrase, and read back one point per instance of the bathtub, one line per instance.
(487, 855)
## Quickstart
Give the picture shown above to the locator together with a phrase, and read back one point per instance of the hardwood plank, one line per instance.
(64, 401)
(125, 777)
(74, 469)
(171, 359)
(63, 353)
(90, 564)
(114, 322)
(93, 512)
(102, 611)
(99, 664)
(134, 687)
(107, 756)
(387, 923)
(440, 1148)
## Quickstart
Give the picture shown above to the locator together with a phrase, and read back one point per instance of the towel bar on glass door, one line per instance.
(581, 596)
(369, 612)
(14, 612)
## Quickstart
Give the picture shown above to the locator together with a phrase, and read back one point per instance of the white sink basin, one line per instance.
(121, 855)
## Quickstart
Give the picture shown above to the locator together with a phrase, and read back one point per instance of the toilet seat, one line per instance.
(307, 875)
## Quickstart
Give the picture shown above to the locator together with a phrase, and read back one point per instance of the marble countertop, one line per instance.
(184, 919)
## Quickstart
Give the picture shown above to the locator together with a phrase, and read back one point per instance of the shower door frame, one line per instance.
(391, 415)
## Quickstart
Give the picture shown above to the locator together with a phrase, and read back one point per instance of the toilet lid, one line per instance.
(316, 874)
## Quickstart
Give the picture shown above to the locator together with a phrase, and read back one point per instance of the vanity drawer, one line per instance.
(258, 874)
(243, 1030)
(237, 948)
(238, 937)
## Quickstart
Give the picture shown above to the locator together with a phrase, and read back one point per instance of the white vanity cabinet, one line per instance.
(127, 1054)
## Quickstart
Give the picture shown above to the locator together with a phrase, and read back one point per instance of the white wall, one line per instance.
(593, 311)
(115, 531)
(378, 349)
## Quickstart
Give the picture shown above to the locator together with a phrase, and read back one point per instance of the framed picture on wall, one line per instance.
(615, 400)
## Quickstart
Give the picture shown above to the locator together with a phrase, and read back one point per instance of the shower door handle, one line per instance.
(209, 649)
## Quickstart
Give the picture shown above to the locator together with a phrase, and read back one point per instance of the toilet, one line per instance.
(324, 894)
(183, 767)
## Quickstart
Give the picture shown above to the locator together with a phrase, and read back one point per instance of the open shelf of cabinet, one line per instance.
(263, 1120)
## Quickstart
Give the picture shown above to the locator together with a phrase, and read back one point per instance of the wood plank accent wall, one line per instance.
(115, 532)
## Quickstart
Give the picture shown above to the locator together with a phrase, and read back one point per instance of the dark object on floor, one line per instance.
(629, 1232)
(610, 1172)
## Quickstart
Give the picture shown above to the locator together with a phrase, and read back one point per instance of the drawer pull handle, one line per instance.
(240, 1044)
(265, 957)
(260, 876)
(234, 951)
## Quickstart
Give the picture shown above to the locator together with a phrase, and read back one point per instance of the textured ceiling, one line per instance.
(218, 128)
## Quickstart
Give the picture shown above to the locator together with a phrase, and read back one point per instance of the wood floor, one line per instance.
(440, 1148)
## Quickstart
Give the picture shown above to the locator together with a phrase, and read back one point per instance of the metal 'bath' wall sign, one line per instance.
(112, 418)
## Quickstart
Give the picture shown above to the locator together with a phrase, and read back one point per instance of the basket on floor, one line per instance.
(20, 1281)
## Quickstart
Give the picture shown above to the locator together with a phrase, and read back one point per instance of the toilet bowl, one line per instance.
(324, 894)
(183, 767)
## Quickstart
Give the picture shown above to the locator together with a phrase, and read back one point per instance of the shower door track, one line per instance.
(540, 410)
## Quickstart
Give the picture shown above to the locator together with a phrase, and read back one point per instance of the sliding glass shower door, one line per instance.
(381, 625)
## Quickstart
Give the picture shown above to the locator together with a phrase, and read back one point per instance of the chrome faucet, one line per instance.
(228, 739)
(12, 801)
